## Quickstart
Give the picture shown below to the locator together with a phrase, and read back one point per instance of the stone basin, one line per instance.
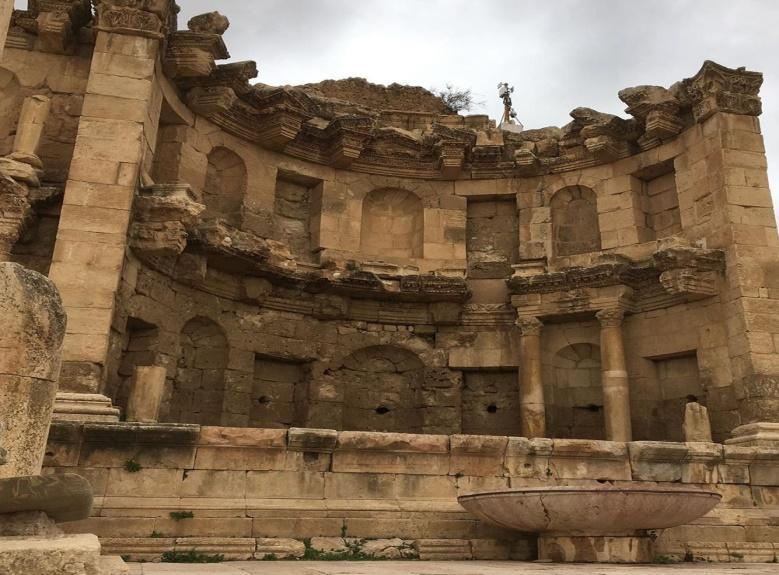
(591, 511)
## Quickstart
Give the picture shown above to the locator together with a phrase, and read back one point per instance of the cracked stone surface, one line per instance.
(442, 568)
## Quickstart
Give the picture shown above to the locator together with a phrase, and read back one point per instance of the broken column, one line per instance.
(614, 376)
(20, 171)
(29, 131)
(531, 387)
(697, 427)
(148, 385)
(31, 337)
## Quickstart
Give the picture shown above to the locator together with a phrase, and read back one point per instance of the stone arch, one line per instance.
(225, 185)
(392, 224)
(381, 386)
(198, 388)
(574, 396)
(575, 227)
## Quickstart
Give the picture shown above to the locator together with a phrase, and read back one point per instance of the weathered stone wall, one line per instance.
(250, 490)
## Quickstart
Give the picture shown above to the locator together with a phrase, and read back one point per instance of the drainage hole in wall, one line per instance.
(692, 399)
(381, 410)
(492, 408)
(263, 400)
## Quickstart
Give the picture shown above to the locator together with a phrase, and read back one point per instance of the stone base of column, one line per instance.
(761, 434)
(84, 407)
(591, 549)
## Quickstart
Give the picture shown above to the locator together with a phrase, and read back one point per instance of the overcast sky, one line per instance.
(559, 54)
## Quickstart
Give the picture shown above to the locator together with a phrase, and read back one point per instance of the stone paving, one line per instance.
(444, 568)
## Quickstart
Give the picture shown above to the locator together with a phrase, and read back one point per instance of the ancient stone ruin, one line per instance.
(305, 319)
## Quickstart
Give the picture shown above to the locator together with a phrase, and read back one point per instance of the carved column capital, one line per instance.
(612, 317)
(529, 325)
(150, 18)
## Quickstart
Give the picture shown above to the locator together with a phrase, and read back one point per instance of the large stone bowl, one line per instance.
(591, 511)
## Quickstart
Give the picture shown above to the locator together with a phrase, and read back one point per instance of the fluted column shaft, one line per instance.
(531, 387)
(616, 389)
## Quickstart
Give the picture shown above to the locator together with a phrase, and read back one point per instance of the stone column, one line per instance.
(616, 390)
(32, 120)
(531, 387)
(33, 326)
(6, 8)
(148, 385)
(115, 144)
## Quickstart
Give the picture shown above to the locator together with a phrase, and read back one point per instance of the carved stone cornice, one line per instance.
(657, 109)
(164, 215)
(347, 137)
(690, 282)
(529, 326)
(716, 88)
(612, 317)
(211, 101)
(55, 23)
(235, 75)
(193, 54)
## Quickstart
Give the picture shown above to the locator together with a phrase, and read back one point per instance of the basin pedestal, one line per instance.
(592, 524)
(596, 549)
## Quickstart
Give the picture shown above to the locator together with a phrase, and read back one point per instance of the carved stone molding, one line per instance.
(529, 326)
(690, 282)
(716, 88)
(150, 18)
(164, 215)
(612, 317)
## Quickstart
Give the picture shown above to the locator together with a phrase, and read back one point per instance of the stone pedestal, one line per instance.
(765, 434)
(33, 326)
(148, 385)
(616, 390)
(531, 386)
(84, 407)
(595, 549)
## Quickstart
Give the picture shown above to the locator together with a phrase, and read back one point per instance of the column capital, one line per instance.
(611, 317)
(529, 325)
(150, 18)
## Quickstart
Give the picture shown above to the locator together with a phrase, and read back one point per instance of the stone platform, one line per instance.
(442, 568)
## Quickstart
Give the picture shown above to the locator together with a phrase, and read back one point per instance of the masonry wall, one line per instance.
(250, 491)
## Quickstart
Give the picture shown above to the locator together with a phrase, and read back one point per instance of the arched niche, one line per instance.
(381, 387)
(575, 228)
(197, 394)
(574, 394)
(392, 225)
(225, 185)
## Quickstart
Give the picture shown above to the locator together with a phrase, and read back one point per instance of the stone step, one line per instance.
(443, 549)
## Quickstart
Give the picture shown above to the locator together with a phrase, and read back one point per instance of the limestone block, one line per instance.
(589, 459)
(312, 440)
(71, 554)
(333, 544)
(66, 497)
(232, 548)
(528, 457)
(395, 548)
(279, 548)
(656, 460)
(30, 346)
(28, 524)
(359, 451)
(138, 548)
(443, 549)
(477, 455)
(148, 386)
